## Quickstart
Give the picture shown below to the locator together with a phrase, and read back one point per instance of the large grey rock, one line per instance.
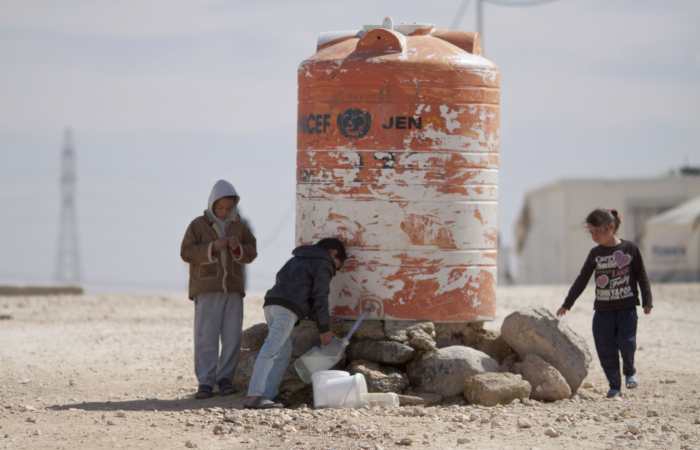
(493, 344)
(304, 337)
(456, 333)
(253, 338)
(368, 329)
(445, 370)
(379, 379)
(546, 381)
(383, 352)
(535, 330)
(397, 330)
(491, 389)
(420, 340)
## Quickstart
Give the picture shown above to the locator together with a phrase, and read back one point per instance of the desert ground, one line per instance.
(116, 371)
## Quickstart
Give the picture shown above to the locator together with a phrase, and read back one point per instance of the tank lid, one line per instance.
(407, 29)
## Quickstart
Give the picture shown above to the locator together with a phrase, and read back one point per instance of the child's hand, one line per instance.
(233, 243)
(647, 310)
(220, 244)
(561, 311)
(327, 337)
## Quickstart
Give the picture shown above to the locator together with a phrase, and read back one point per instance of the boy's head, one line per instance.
(335, 248)
(222, 207)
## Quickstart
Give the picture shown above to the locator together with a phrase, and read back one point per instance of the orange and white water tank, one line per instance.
(397, 143)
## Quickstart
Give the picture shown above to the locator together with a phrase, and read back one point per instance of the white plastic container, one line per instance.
(319, 381)
(346, 392)
(382, 399)
(320, 359)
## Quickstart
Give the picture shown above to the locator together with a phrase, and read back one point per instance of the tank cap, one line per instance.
(407, 29)
(388, 23)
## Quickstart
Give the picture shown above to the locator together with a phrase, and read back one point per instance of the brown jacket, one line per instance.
(222, 272)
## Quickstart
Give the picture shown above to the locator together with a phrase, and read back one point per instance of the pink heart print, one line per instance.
(601, 281)
(621, 260)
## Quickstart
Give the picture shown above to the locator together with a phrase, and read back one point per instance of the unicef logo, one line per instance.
(354, 123)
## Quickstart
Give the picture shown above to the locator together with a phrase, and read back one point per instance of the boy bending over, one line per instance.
(301, 290)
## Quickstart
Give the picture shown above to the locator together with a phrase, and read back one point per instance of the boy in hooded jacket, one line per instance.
(301, 289)
(216, 245)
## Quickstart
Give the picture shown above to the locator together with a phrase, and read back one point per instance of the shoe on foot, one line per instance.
(631, 380)
(263, 403)
(204, 392)
(612, 393)
(284, 403)
(226, 388)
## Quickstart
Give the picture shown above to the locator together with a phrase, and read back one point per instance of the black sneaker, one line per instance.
(204, 392)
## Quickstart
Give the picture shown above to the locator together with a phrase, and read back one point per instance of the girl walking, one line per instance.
(618, 268)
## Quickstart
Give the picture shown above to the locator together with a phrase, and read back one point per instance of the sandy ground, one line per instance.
(70, 365)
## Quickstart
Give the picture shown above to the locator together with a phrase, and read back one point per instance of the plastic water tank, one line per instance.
(397, 143)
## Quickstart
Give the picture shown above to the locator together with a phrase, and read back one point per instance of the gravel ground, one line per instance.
(116, 371)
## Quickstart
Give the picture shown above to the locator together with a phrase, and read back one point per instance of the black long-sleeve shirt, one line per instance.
(618, 270)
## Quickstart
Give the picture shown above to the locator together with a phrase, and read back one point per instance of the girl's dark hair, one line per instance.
(329, 244)
(605, 217)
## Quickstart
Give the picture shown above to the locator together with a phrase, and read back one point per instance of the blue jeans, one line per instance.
(615, 335)
(275, 353)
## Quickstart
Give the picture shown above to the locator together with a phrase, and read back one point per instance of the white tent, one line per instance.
(671, 244)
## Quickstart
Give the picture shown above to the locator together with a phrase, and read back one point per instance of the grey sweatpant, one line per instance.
(217, 315)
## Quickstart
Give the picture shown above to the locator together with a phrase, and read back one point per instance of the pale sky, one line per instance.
(166, 97)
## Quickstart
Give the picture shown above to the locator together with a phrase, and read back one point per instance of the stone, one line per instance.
(522, 423)
(536, 330)
(420, 340)
(463, 441)
(121, 414)
(383, 352)
(221, 429)
(551, 432)
(405, 441)
(379, 379)
(587, 385)
(304, 337)
(397, 330)
(411, 400)
(254, 337)
(634, 427)
(445, 370)
(456, 333)
(493, 344)
(109, 422)
(31, 419)
(190, 444)
(458, 400)
(546, 381)
(491, 389)
(368, 329)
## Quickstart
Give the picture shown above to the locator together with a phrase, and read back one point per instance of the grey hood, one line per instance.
(223, 188)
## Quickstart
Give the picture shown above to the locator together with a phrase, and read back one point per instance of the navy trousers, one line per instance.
(615, 335)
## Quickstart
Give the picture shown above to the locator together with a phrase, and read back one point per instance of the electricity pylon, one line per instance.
(67, 269)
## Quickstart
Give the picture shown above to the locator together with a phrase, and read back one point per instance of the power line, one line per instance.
(480, 12)
(460, 14)
(519, 4)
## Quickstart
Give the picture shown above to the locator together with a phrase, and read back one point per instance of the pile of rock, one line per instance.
(534, 356)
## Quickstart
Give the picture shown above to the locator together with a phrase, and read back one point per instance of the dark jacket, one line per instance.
(303, 283)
